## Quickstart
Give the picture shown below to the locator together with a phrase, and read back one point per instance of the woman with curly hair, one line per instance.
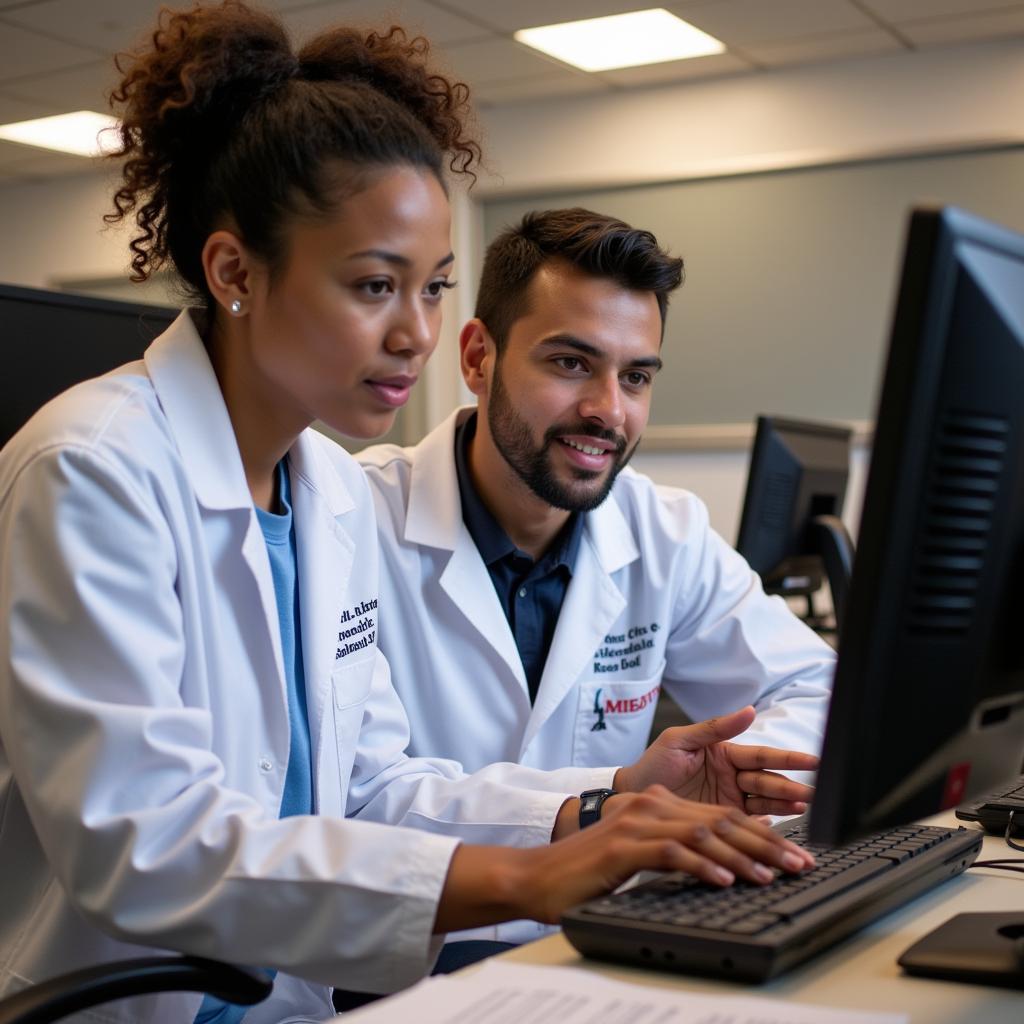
(200, 749)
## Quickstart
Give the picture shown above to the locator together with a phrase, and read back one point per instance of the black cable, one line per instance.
(1002, 864)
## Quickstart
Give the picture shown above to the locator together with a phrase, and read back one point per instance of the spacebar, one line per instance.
(815, 894)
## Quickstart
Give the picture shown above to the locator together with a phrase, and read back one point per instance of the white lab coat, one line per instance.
(657, 599)
(144, 721)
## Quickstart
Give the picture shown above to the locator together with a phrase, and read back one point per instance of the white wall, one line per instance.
(933, 100)
(897, 103)
(719, 478)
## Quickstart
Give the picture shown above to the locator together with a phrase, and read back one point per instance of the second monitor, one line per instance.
(790, 528)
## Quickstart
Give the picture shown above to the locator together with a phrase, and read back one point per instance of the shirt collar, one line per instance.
(491, 540)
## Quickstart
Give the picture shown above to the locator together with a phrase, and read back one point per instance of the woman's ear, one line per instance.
(227, 265)
(476, 356)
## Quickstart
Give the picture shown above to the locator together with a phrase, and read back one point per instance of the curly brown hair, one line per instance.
(223, 124)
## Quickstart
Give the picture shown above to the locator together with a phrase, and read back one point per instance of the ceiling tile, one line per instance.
(11, 154)
(13, 108)
(496, 60)
(741, 22)
(79, 88)
(23, 52)
(27, 162)
(417, 16)
(905, 10)
(112, 25)
(507, 17)
(677, 70)
(936, 31)
(291, 5)
(516, 90)
(818, 48)
(103, 25)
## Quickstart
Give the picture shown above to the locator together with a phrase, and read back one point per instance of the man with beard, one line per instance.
(537, 595)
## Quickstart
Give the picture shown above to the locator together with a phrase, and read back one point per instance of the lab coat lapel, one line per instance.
(468, 583)
(325, 553)
(190, 396)
(592, 604)
(434, 519)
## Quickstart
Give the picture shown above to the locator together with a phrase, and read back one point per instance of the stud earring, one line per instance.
(236, 306)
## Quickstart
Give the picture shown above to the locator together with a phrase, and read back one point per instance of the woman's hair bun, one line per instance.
(221, 122)
(203, 64)
(396, 64)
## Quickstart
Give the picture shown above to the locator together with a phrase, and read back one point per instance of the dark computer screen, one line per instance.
(928, 706)
(51, 340)
(790, 527)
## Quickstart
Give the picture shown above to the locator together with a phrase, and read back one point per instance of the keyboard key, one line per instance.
(831, 887)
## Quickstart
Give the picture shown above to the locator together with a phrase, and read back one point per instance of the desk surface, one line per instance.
(861, 972)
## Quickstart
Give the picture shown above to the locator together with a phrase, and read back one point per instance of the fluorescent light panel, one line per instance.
(82, 133)
(621, 40)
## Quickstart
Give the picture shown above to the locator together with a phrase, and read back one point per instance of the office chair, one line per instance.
(78, 990)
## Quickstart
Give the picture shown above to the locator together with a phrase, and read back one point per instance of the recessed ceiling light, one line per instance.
(621, 40)
(83, 133)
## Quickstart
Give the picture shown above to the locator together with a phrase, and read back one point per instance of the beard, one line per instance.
(532, 463)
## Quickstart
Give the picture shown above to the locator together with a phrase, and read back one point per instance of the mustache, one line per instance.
(587, 430)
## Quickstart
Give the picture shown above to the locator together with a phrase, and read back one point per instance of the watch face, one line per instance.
(590, 803)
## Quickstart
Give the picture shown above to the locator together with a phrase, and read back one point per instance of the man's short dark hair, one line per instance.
(590, 242)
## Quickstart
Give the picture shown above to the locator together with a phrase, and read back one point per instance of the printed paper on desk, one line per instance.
(509, 993)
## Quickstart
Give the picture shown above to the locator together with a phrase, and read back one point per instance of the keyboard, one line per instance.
(751, 933)
(992, 811)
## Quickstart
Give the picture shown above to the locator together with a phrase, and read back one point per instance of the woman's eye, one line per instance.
(437, 288)
(377, 287)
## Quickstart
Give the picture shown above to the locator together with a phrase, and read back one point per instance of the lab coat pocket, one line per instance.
(350, 685)
(613, 719)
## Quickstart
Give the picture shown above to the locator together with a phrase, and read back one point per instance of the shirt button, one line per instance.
(265, 764)
(522, 591)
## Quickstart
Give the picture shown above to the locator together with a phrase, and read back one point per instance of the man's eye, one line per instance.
(569, 363)
(636, 379)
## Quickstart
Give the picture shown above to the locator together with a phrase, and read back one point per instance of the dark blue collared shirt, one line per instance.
(531, 593)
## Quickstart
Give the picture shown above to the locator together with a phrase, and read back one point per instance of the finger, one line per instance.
(762, 843)
(758, 806)
(659, 852)
(705, 868)
(773, 786)
(727, 850)
(744, 756)
(742, 844)
(657, 812)
(711, 730)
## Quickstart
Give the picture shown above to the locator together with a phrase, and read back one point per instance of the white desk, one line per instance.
(862, 972)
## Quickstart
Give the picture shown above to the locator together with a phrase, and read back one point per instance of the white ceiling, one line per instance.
(55, 55)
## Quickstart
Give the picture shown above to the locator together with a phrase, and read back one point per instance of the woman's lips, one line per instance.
(392, 391)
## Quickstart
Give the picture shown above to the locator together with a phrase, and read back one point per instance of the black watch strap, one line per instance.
(591, 802)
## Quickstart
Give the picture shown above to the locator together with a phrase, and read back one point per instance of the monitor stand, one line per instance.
(827, 623)
(828, 537)
(986, 949)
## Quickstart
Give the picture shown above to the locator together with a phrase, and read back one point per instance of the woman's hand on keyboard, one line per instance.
(649, 831)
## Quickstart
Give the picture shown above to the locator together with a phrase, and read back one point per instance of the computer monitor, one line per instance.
(928, 705)
(51, 340)
(790, 528)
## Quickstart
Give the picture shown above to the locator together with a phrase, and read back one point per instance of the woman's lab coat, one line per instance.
(144, 720)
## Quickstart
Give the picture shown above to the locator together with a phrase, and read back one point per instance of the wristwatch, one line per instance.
(591, 802)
